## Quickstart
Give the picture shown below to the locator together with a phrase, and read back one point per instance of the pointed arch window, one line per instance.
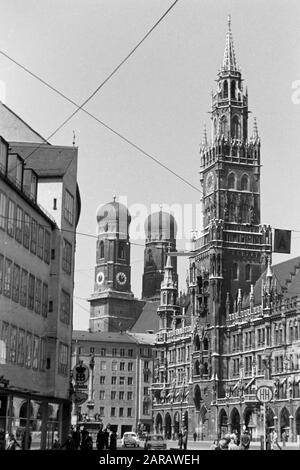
(245, 183)
(223, 126)
(232, 90)
(121, 253)
(225, 89)
(248, 272)
(235, 271)
(101, 249)
(236, 128)
(231, 181)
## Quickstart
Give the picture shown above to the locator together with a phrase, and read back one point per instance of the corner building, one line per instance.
(225, 338)
(39, 212)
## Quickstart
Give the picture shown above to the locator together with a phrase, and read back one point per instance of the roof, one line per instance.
(113, 337)
(46, 160)
(287, 276)
(229, 60)
(148, 319)
(13, 128)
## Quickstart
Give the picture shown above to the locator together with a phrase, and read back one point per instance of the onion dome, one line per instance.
(113, 217)
(160, 226)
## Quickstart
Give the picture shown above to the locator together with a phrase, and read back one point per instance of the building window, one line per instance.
(130, 381)
(16, 283)
(122, 366)
(43, 354)
(4, 343)
(101, 249)
(45, 300)
(3, 205)
(19, 225)
(65, 307)
(113, 395)
(101, 411)
(40, 244)
(121, 252)
(114, 380)
(130, 352)
(102, 365)
(248, 272)
(47, 247)
(114, 352)
(69, 207)
(122, 381)
(146, 408)
(63, 359)
(26, 230)
(129, 396)
(129, 412)
(1, 272)
(122, 352)
(31, 284)
(67, 257)
(235, 271)
(114, 366)
(113, 411)
(28, 355)
(21, 348)
(7, 278)
(38, 296)
(231, 181)
(33, 236)
(35, 355)
(11, 221)
(13, 344)
(245, 183)
(130, 366)
(102, 395)
(102, 352)
(121, 395)
(146, 391)
(121, 412)
(146, 377)
(102, 379)
(23, 290)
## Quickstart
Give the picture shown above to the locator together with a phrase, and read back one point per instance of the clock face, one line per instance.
(100, 278)
(121, 278)
(210, 180)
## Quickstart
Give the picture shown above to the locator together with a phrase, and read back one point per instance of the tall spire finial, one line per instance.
(204, 137)
(255, 135)
(114, 197)
(229, 60)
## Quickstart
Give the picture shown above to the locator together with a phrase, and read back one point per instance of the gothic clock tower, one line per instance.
(233, 248)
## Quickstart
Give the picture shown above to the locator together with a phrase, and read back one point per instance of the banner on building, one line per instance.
(282, 241)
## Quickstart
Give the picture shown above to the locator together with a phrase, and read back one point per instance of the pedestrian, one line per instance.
(245, 439)
(113, 440)
(284, 438)
(106, 437)
(180, 440)
(76, 437)
(274, 441)
(86, 440)
(12, 443)
(184, 437)
(69, 443)
(233, 443)
(55, 445)
(195, 436)
(23, 443)
(100, 439)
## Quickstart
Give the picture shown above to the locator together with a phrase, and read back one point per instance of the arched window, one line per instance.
(245, 183)
(235, 270)
(224, 126)
(101, 250)
(231, 181)
(248, 272)
(121, 253)
(232, 89)
(296, 333)
(235, 128)
(225, 89)
(205, 344)
(245, 213)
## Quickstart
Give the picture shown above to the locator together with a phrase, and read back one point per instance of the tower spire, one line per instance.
(255, 136)
(229, 60)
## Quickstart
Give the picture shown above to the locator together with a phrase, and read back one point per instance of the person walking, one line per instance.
(23, 443)
(284, 438)
(100, 439)
(69, 443)
(77, 437)
(184, 438)
(106, 438)
(180, 440)
(12, 443)
(195, 436)
(245, 440)
(113, 440)
(233, 443)
(274, 441)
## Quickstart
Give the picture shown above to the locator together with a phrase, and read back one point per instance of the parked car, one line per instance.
(155, 441)
(130, 439)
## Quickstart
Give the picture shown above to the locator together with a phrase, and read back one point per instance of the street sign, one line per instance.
(282, 241)
(80, 397)
(264, 394)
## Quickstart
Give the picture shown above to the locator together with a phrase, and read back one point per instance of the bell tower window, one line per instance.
(121, 253)
(236, 128)
(231, 181)
(101, 250)
(245, 183)
(232, 89)
(225, 89)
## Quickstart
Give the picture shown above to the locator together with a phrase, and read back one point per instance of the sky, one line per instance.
(159, 99)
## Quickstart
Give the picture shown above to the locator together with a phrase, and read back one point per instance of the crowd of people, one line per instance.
(106, 439)
(234, 441)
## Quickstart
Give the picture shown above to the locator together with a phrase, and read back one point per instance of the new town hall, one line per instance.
(239, 320)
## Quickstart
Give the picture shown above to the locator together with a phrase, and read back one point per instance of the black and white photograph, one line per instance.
(149, 229)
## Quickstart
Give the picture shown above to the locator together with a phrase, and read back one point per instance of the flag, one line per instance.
(282, 241)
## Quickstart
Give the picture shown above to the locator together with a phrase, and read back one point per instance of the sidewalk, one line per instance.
(205, 445)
